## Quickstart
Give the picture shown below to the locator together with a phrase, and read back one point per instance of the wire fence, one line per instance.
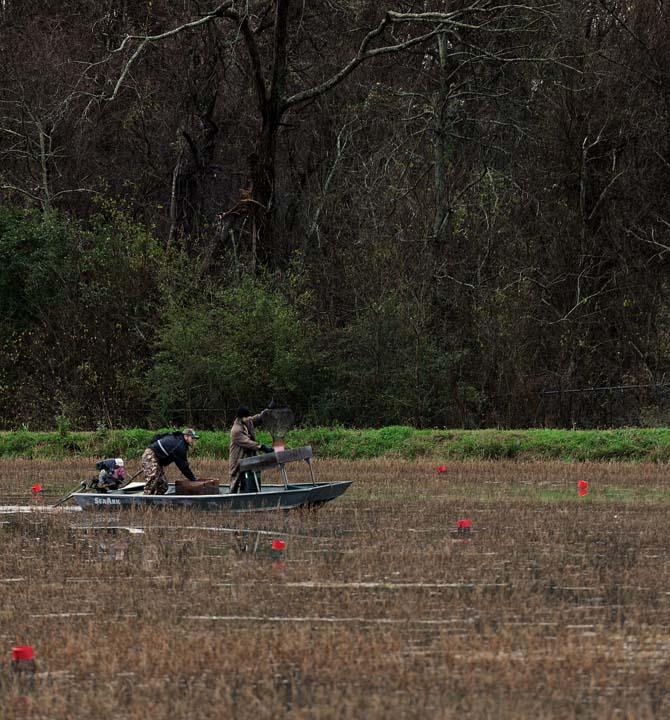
(592, 407)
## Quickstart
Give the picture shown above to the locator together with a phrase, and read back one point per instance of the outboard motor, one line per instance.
(112, 474)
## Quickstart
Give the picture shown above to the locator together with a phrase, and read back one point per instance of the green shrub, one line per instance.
(221, 347)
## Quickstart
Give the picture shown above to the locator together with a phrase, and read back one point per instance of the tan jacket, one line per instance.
(242, 443)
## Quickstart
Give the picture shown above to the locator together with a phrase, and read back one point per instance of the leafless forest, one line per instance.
(428, 212)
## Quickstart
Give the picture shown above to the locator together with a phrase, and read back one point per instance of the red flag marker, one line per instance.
(22, 653)
(442, 468)
(463, 529)
(582, 488)
(23, 667)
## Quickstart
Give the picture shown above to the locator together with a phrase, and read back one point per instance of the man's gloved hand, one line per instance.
(267, 448)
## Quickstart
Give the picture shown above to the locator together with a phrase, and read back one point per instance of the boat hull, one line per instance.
(271, 497)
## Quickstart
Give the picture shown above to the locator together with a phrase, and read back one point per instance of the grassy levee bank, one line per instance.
(632, 444)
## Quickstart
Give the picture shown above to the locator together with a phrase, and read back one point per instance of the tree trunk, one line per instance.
(264, 160)
(197, 143)
(441, 143)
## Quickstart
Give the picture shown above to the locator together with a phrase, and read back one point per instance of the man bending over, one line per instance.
(172, 447)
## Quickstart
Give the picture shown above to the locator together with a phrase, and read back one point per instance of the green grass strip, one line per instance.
(633, 444)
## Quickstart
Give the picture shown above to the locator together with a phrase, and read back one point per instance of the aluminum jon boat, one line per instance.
(270, 497)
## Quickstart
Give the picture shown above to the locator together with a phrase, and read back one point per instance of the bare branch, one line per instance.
(442, 276)
(76, 190)
(602, 194)
(583, 300)
(340, 145)
(36, 198)
(254, 56)
(146, 39)
(445, 22)
(664, 248)
(478, 7)
(362, 55)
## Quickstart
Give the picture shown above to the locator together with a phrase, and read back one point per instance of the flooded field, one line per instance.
(552, 606)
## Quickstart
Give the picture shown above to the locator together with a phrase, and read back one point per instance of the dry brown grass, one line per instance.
(555, 607)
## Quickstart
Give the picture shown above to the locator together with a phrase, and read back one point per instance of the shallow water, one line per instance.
(14, 509)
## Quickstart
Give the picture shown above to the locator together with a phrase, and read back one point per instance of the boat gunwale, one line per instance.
(281, 490)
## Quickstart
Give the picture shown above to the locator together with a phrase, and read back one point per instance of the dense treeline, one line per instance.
(426, 212)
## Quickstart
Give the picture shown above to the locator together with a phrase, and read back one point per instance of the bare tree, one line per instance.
(40, 103)
(280, 89)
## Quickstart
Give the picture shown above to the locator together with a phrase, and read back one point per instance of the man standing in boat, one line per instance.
(243, 443)
(172, 447)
